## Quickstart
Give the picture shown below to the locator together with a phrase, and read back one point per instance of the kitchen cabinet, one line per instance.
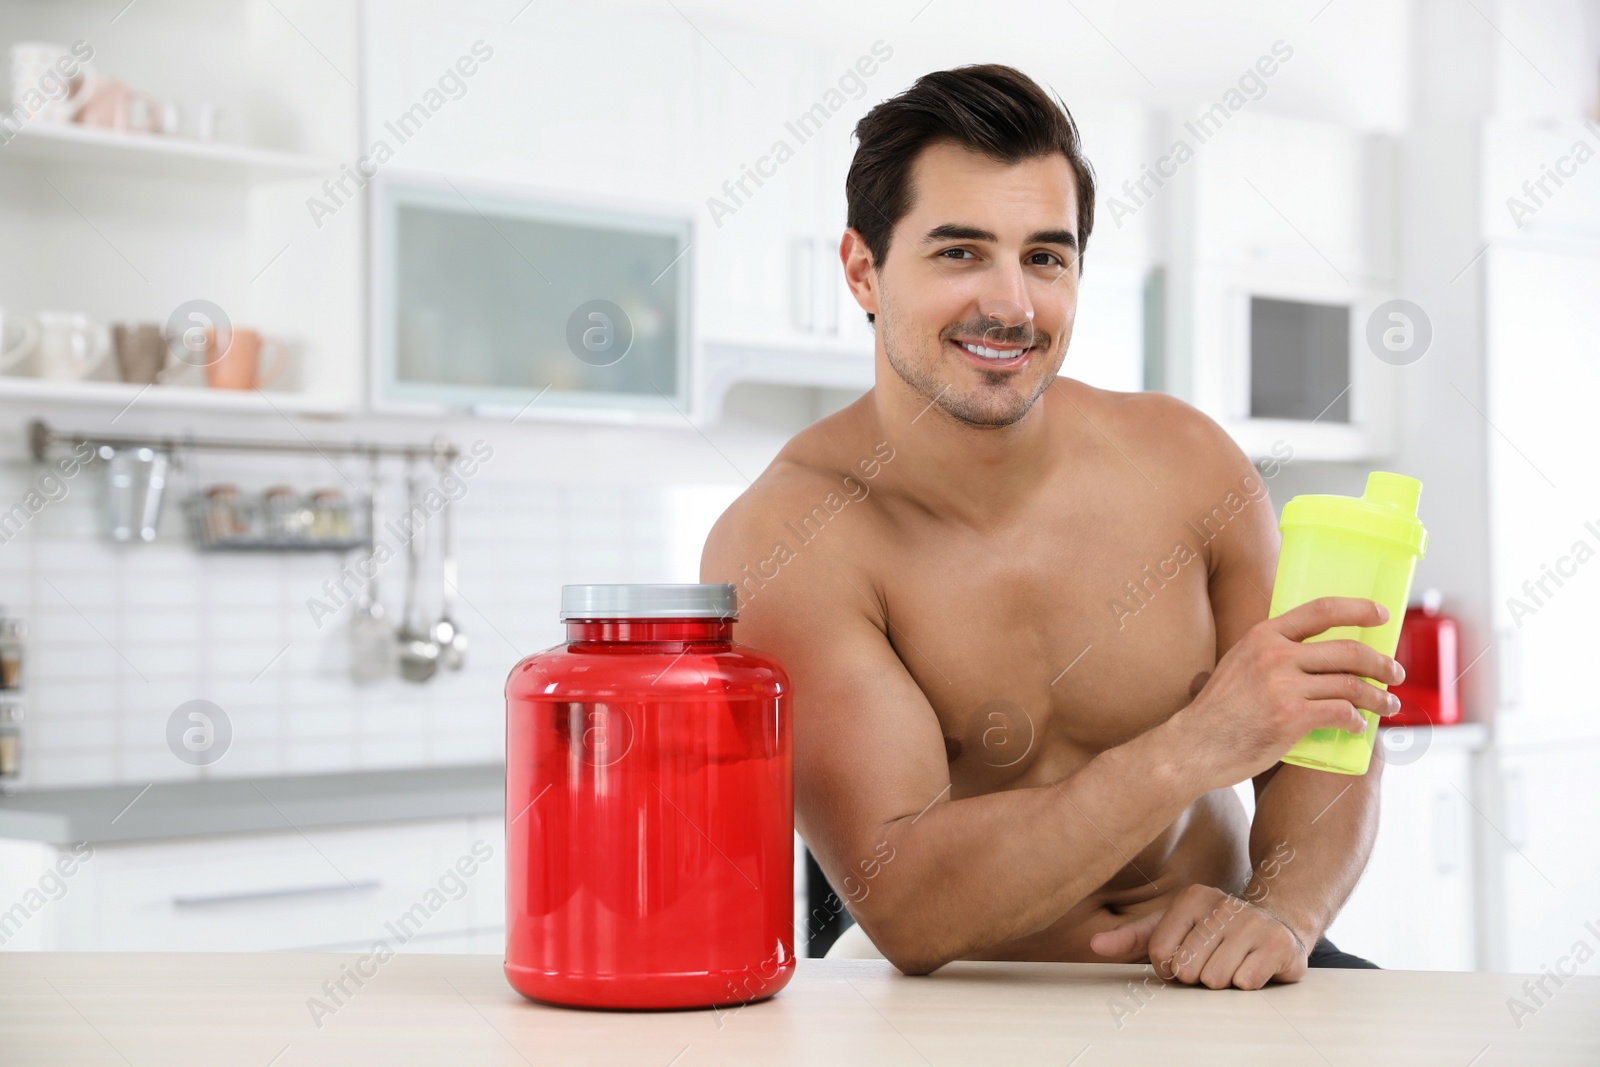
(463, 314)
(775, 305)
(1545, 848)
(1537, 184)
(761, 206)
(127, 227)
(743, 134)
(1543, 524)
(1414, 906)
(1539, 214)
(437, 885)
(1282, 256)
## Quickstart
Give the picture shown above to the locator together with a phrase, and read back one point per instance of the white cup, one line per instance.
(18, 337)
(48, 82)
(70, 346)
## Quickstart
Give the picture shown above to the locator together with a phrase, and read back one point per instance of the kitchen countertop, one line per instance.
(173, 1010)
(130, 812)
(170, 1009)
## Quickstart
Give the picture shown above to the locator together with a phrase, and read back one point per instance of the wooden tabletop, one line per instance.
(171, 1010)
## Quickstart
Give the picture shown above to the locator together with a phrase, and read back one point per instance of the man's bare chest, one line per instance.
(1040, 647)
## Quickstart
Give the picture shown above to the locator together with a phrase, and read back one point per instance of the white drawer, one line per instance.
(325, 888)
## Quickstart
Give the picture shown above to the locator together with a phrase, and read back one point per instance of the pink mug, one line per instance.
(239, 366)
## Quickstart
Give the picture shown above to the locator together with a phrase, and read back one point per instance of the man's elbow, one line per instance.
(910, 943)
(910, 955)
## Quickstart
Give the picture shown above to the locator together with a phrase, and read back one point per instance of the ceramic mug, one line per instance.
(141, 350)
(71, 346)
(239, 366)
(115, 105)
(18, 336)
(48, 81)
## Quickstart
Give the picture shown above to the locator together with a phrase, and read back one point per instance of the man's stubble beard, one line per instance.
(991, 408)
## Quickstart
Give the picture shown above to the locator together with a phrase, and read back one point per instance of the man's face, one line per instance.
(987, 258)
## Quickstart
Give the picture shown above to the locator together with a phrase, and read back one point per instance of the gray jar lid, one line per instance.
(580, 602)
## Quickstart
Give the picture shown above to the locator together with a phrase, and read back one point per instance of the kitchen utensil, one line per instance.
(649, 806)
(372, 643)
(154, 486)
(447, 634)
(1365, 546)
(18, 337)
(141, 351)
(136, 481)
(239, 365)
(71, 346)
(48, 81)
(419, 655)
(119, 492)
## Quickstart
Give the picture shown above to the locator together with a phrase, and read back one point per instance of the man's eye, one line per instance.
(955, 253)
(1045, 259)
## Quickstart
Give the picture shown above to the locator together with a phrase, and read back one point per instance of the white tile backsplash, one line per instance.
(121, 635)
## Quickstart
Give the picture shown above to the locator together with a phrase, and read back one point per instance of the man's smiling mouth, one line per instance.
(1006, 355)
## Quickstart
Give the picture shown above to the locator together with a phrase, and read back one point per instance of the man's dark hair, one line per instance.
(989, 108)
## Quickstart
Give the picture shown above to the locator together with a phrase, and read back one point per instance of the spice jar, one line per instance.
(10, 745)
(330, 515)
(12, 631)
(287, 517)
(649, 806)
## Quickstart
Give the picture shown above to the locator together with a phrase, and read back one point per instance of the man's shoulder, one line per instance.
(1171, 441)
(816, 477)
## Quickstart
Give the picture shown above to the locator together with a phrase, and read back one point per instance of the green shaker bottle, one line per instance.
(1365, 546)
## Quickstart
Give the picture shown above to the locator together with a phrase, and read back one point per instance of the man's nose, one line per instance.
(1009, 317)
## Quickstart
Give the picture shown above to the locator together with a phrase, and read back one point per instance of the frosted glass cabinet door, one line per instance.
(488, 299)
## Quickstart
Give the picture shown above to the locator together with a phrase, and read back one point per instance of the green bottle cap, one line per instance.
(1388, 510)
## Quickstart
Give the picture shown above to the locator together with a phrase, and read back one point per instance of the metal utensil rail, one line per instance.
(41, 437)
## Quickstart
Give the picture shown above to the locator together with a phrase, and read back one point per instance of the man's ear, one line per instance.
(859, 272)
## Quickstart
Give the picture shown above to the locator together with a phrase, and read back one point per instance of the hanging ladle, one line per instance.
(446, 632)
(419, 654)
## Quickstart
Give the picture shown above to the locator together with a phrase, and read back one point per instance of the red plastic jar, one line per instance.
(649, 806)
(1430, 650)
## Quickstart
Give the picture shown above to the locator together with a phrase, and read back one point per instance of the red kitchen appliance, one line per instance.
(649, 806)
(1430, 652)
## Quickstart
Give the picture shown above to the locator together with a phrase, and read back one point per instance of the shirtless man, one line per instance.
(1026, 619)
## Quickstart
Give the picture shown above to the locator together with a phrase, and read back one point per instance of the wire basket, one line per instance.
(278, 520)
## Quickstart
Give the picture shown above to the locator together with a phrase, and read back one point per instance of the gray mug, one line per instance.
(141, 351)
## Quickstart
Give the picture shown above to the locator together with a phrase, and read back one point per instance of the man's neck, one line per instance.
(981, 476)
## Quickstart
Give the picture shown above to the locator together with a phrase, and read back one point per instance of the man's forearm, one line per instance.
(970, 873)
(1309, 843)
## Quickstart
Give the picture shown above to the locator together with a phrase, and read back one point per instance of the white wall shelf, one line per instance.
(167, 157)
(168, 397)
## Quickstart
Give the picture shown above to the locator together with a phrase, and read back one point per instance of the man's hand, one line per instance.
(1273, 687)
(1211, 937)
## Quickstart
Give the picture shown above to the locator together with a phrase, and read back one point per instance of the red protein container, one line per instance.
(1430, 651)
(649, 806)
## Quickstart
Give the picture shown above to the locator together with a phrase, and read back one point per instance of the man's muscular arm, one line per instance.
(1312, 831)
(930, 879)
(1324, 823)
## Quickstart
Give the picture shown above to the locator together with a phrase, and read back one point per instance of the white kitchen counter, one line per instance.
(132, 812)
(168, 1009)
